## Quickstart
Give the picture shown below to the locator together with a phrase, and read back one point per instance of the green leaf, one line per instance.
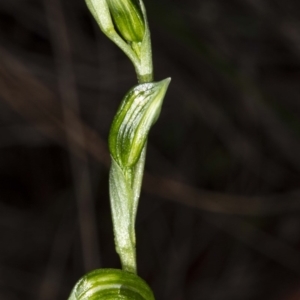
(137, 113)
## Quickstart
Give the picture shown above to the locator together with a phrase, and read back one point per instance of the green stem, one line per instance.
(145, 68)
(125, 187)
(126, 243)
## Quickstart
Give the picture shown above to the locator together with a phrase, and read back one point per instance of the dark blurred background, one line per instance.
(219, 212)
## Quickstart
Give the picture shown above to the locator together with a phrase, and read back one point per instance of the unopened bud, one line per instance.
(111, 284)
(128, 18)
(139, 110)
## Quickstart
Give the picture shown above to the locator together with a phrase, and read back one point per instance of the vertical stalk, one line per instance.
(128, 135)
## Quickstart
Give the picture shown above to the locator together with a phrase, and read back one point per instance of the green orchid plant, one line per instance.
(125, 23)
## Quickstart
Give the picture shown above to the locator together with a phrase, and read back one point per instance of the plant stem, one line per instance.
(133, 177)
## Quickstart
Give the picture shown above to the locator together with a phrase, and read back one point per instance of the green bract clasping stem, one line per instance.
(128, 18)
(138, 111)
(128, 135)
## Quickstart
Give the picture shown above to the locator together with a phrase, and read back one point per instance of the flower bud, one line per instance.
(111, 284)
(138, 111)
(128, 18)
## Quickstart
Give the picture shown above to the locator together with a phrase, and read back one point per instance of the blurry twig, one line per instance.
(67, 88)
(34, 101)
